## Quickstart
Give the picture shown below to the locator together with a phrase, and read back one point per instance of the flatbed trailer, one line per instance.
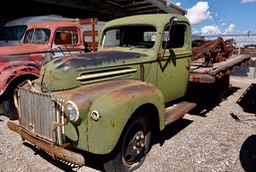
(211, 83)
(210, 74)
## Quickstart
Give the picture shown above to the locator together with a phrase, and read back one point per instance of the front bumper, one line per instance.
(50, 147)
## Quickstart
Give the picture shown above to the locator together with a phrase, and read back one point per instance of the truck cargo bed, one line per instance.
(210, 74)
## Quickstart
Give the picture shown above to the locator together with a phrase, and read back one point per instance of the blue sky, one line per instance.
(210, 17)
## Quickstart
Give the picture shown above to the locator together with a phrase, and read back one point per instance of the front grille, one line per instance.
(41, 115)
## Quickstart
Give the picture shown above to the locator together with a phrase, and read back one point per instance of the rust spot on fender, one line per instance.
(140, 89)
(112, 124)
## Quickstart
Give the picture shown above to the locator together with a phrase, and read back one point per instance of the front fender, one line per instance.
(16, 66)
(9, 74)
(115, 108)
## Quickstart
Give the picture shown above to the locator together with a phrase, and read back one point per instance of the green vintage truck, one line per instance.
(113, 101)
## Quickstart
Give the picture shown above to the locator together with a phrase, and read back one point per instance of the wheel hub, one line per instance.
(135, 147)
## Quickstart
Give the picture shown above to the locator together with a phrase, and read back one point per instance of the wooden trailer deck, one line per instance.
(199, 73)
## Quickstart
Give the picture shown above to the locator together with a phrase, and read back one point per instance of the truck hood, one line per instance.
(73, 71)
(24, 49)
(19, 60)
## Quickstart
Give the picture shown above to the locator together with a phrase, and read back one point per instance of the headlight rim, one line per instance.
(74, 106)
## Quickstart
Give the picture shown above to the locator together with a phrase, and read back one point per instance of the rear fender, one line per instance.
(109, 114)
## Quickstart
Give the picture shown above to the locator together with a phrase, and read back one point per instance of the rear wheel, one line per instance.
(133, 146)
(220, 88)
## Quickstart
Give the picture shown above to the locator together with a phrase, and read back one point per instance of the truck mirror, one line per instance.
(173, 20)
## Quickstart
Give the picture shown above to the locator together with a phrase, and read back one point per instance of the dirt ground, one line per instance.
(214, 137)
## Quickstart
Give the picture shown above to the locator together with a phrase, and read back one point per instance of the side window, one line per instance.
(67, 36)
(12, 33)
(177, 36)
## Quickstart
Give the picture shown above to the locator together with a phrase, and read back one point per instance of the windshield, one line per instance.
(139, 36)
(38, 36)
(12, 33)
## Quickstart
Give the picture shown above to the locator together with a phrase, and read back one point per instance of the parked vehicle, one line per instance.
(12, 33)
(45, 39)
(113, 101)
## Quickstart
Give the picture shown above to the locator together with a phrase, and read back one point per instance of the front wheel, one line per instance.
(7, 100)
(133, 146)
(7, 105)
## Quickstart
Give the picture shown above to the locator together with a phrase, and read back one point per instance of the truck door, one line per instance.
(173, 68)
(67, 41)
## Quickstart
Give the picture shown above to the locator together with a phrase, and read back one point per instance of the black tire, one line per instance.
(7, 106)
(133, 146)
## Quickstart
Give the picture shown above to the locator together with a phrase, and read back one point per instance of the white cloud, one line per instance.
(199, 13)
(196, 32)
(247, 1)
(223, 24)
(215, 30)
(230, 28)
(210, 30)
(178, 3)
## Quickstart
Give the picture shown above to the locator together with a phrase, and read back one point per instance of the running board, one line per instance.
(176, 111)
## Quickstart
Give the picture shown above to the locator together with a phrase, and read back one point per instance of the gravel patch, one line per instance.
(223, 139)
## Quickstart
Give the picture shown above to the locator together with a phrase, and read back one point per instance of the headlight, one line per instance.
(73, 111)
